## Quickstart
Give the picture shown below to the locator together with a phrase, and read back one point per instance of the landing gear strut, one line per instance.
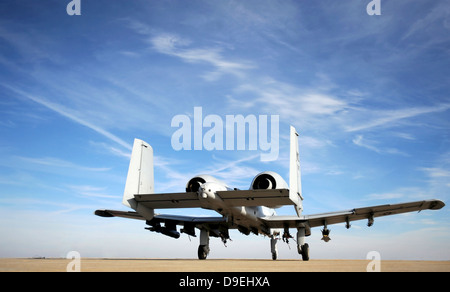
(302, 247)
(273, 247)
(203, 248)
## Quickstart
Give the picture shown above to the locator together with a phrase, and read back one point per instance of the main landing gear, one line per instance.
(273, 246)
(203, 251)
(302, 247)
(203, 248)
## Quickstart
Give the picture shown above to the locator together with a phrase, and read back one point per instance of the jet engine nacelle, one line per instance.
(268, 180)
(195, 182)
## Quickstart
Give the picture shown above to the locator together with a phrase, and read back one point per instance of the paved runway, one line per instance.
(215, 265)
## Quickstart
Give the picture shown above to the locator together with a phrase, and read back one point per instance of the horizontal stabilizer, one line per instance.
(235, 198)
(169, 200)
(269, 198)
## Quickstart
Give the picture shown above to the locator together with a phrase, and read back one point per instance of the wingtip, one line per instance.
(103, 213)
(437, 204)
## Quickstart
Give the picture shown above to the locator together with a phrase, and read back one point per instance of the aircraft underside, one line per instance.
(221, 231)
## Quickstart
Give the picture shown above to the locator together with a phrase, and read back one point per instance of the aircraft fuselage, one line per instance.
(244, 216)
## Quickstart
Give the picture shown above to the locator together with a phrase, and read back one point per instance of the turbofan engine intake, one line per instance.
(268, 180)
(194, 183)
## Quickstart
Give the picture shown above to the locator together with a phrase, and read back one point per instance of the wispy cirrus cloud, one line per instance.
(176, 46)
(70, 114)
(92, 192)
(360, 141)
(60, 163)
(400, 194)
(371, 119)
(438, 175)
(436, 172)
(182, 47)
(432, 27)
(291, 101)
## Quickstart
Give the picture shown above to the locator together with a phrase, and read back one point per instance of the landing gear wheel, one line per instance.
(305, 252)
(274, 256)
(202, 252)
(273, 247)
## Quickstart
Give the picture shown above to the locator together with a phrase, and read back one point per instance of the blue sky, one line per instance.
(368, 94)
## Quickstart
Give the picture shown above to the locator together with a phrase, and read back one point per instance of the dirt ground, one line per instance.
(214, 265)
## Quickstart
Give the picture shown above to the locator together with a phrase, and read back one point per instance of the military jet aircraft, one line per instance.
(249, 211)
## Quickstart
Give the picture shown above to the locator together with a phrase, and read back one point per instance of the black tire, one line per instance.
(305, 252)
(202, 253)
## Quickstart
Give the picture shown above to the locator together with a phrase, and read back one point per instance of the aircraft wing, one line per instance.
(316, 220)
(169, 220)
(269, 198)
(179, 219)
(215, 225)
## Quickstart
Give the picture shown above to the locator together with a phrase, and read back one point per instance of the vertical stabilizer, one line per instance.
(140, 178)
(295, 183)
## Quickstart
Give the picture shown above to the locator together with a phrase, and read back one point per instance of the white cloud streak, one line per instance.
(436, 172)
(91, 191)
(362, 142)
(70, 115)
(290, 101)
(55, 162)
(390, 118)
(173, 45)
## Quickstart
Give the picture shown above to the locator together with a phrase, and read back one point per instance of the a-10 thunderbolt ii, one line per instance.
(249, 211)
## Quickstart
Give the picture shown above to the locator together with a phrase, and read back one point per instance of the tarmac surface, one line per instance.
(214, 265)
